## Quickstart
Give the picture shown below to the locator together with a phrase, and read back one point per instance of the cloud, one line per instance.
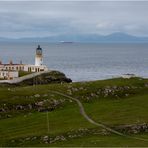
(36, 18)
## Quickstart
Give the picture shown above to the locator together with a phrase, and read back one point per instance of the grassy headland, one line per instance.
(36, 116)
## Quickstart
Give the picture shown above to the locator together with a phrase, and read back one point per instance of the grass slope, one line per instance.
(113, 102)
(132, 110)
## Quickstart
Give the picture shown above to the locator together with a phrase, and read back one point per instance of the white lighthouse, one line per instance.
(39, 56)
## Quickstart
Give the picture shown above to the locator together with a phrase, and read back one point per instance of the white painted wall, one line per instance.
(38, 61)
(9, 74)
(33, 68)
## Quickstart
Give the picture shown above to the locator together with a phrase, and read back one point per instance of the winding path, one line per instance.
(84, 114)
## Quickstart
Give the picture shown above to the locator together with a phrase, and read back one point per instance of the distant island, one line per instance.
(117, 37)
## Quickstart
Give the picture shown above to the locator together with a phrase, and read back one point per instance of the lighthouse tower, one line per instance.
(39, 56)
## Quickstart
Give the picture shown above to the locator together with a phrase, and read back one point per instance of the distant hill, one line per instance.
(118, 37)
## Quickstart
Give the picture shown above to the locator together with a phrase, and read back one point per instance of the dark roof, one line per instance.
(39, 48)
(12, 64)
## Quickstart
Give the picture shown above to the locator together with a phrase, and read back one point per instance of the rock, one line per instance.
(69, 92)
(57, 138)
(56, 102)
(12, 140)
(2, 110)
(41, 103)
(92, 95)
(28, 138)
(73, 136)
(9, 116)
(30, 106)
(19, 107)
(75, 89)
(81, 88)
(104, 132)
(34, 138)
(63, 138)
(88, 98)
(45, 95)
(45, 139)
(37, 96)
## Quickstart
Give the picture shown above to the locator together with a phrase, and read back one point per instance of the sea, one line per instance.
(83, 61)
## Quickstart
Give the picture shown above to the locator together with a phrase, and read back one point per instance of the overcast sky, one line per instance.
(39, 19)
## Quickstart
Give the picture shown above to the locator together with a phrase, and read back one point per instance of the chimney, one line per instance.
(21, 62)
(11, 63)
(0, 62)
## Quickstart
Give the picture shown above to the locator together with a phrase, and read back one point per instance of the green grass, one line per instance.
(102, 141)
(23, 73)
(60, 121)
(132, 110)
(111, 110)
(91, 87)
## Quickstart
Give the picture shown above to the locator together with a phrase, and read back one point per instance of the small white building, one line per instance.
(128, 76)
(13, 69)
(8, 74)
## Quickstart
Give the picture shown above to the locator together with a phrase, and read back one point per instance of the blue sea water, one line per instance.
(81, 61)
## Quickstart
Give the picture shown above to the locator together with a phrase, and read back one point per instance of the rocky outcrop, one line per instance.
(114, 91)
(39, 106)
(46, 77)
(133, 129)
(73, 134)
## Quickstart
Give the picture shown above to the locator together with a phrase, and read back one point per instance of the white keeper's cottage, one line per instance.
(11, 70)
